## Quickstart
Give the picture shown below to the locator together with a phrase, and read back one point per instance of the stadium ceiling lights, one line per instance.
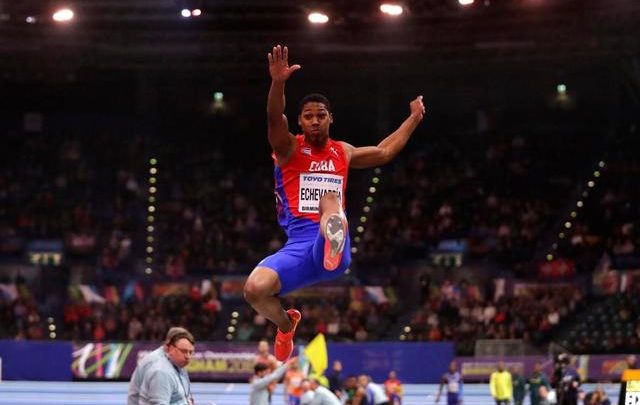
(187, 13)
(465, 2)
(317, 17)
(391, 9)
(63, 15)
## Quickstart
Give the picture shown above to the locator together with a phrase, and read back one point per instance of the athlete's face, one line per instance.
(315, 119)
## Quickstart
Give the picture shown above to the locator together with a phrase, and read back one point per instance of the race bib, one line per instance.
(454, 386)
(313, 186)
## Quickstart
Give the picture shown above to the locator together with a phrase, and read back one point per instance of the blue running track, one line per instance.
(115, 393)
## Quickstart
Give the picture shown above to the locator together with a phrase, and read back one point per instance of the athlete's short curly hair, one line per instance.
(315, 98)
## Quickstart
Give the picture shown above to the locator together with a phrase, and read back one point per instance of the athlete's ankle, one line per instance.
(285, 328)
(287, 325)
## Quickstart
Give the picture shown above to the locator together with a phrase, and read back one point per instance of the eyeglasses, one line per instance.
(186, 352)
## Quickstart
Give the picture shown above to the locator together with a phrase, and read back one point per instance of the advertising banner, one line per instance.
(590, 367)
(210, 362)
(234, 362)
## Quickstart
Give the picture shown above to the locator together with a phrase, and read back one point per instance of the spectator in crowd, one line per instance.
(501, 385)
(631, 362)
(597, 397)
(335, 378)
(322, 395)
(352, 393)
(292, 385)
(452, 379)
(544, 395)
(266, 358)
(372, 393)
(307, 392)
(537, 379)
(569, 384)
(263, 378)
(393, 389)
(161, 378)
(519, 387)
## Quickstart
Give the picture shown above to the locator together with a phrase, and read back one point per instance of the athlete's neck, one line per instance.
(316, 141)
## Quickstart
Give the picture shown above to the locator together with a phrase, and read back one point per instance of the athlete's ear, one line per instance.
(299, 124)
(330, 118)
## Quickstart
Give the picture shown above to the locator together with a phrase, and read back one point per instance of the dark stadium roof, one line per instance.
(235, 34)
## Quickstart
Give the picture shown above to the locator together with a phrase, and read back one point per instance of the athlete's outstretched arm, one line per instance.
(385, 151)
(279, 137)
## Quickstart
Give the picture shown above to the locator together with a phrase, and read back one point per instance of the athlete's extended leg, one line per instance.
(334, 227)
(260, 291)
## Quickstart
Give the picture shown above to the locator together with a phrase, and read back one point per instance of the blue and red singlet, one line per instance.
(309, 174)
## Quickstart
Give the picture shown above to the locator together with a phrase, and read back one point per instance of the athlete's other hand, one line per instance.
(279, 68)
(417, 107)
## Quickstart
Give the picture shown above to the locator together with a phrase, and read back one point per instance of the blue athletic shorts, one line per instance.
(300, 262)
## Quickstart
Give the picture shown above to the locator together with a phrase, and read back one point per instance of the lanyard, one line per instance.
(187, 392)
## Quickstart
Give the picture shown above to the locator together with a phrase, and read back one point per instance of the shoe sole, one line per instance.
(335, 236)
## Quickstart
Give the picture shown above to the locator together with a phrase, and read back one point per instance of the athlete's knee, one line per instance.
(262, 283)
(254, 291)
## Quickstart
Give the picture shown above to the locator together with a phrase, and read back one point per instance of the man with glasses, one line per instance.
(160, 377)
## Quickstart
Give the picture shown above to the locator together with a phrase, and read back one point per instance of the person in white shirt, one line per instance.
(307, 392)
(321, 395)
(373, 394)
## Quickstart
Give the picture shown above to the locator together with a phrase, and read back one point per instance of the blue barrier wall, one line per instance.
(414, 362)
(51, 361)
(38, 361)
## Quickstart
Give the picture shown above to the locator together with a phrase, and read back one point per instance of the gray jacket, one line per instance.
(156, 381)
(260, 386)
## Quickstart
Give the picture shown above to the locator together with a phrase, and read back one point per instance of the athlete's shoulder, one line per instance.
(346, 149)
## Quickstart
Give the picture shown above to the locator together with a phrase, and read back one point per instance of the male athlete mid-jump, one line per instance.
(310, 182)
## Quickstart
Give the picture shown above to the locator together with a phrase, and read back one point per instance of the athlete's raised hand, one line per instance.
(417, 107)
(279, 68)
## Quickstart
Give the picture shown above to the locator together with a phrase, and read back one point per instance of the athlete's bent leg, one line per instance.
(334, 226)
(260, 291)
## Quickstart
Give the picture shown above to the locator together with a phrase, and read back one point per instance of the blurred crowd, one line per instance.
(456, 312)
(144, 318)
(502, 195)
(216, 216)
